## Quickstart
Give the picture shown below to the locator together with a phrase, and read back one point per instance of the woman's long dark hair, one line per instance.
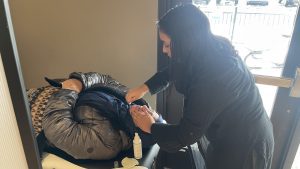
(187, 26)
(191, 41)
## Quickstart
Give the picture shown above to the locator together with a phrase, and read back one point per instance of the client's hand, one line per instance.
(144, 108)
(136, 93)
(142, 118)
(72, 84)
(152, 112)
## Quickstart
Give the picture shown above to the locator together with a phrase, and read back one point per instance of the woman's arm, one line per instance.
(158, 81)
(155, 84)
(203, 104)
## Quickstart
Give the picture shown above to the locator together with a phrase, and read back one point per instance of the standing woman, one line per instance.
(221, 100)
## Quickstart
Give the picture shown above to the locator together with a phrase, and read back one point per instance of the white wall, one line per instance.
(12, 154)
(114, 37)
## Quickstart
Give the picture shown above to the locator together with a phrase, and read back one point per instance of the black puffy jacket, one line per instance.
(81, 131)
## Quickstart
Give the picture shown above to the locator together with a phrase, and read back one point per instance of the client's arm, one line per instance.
(92, 78)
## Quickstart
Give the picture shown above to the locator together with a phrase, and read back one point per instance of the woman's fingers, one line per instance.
(142, 117)
(137, 112)
(132, 95)
(129, 98)
(143, 120)
(135, 116)
(132, 108)
(146, 109)
(136, 93)
(135, 108)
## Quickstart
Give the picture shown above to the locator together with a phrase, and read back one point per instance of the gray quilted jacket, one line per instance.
(82, 132)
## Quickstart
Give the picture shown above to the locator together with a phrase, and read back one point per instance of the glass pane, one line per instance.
(296, 163)
(260, 31)
(268, 92)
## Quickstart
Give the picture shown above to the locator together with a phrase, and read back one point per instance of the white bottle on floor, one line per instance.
(137, 146)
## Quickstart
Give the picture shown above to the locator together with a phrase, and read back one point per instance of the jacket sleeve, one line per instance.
(203, 104)
(158, 81)
(85, 136)
(93, 78)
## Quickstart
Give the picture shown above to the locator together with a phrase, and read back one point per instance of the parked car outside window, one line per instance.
(258, 2)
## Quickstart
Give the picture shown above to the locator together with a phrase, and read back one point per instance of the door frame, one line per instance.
(12, 68)
(286, 111)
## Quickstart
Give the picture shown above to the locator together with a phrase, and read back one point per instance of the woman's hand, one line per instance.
(72, 84)
(142, 118)
(136, 93)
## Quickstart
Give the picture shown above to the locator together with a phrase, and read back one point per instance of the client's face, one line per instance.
(166, 43)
